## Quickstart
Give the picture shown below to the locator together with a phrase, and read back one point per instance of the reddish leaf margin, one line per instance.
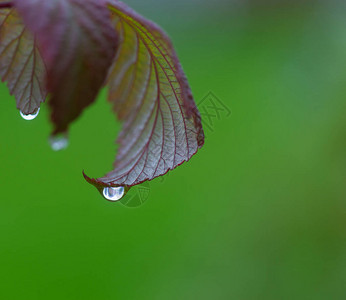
(144, 113)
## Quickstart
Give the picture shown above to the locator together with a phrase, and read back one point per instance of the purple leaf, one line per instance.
(21, 64)
(77, 43)
(150, 94)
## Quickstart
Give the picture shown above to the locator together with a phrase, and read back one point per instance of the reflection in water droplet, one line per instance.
(30, 116)
(58, 142)
(113, 193)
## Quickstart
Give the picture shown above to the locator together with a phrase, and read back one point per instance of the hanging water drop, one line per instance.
(58, 142)
(113, 193)
(30, 117)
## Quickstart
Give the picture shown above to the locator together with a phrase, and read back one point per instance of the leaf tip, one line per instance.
(101, 185)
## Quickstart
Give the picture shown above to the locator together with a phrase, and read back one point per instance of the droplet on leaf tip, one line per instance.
(30, 117)
(58, 142)
(113, 193)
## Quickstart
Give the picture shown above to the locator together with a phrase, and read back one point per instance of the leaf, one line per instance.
(77, 43)
(21, 64)
(150, 94)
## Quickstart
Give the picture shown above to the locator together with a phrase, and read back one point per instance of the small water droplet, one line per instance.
(30, 116)
(113, 193)
(58, 142)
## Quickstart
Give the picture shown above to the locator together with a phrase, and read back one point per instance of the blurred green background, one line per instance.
(258, 213)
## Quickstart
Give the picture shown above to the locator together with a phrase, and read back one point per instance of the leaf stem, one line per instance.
(7, 4)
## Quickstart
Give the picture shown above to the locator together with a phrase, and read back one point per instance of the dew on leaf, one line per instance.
(113, 193)
(58, 142)
(152, 98)
(30, 117)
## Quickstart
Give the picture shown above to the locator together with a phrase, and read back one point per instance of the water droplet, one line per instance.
(113, 193)
(58, 142)
(30, 116)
